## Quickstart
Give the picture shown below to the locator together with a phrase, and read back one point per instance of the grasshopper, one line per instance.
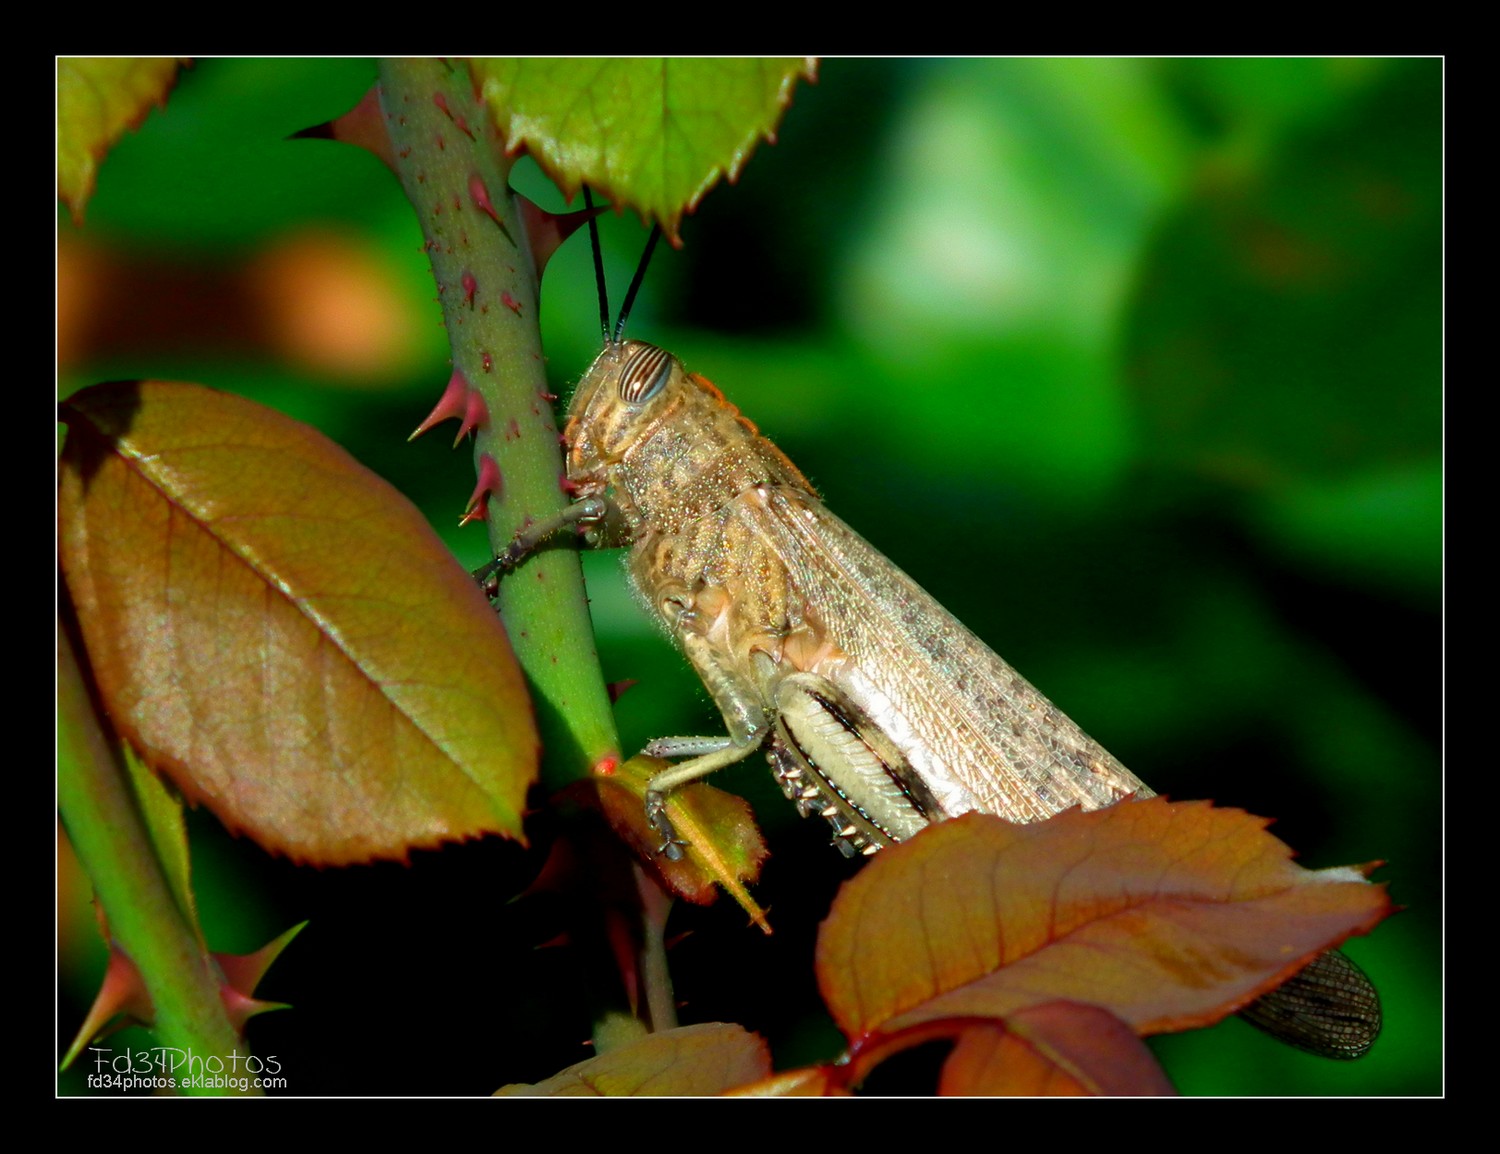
(876, 708)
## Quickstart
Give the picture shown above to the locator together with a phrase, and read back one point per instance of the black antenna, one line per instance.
(640, 275)
(588, 203)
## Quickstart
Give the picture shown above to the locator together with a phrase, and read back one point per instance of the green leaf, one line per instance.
(281, 633)
(655, 134)
(97, 100)
(161, 810)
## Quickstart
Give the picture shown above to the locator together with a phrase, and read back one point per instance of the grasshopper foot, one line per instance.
(671, 847)
(587, 512)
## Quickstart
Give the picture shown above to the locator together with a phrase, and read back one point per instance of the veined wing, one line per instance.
(981, 735)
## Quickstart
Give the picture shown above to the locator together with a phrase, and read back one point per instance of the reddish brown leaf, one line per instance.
(1060, 1049)
(692, 1061)
(1170, 915)
(725, 847)
(281, 633)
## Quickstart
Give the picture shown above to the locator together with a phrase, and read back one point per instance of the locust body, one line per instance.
(875, 707)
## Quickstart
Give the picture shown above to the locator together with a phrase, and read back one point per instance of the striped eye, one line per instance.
(645, 374)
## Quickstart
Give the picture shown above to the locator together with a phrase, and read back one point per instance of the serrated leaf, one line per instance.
(1169, 915)
(97, 100)
(651, 133)
(281, 633)
(691, 1061)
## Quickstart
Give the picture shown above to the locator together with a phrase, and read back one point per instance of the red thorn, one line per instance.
(241, 1009)
(362, 126)
(567, 485)
(480, 195)
(546, 396)
(511, 303)
(243, 972)
(442, 103)
(606, 765)
(547, 230)
(488, 484)
(122, 995)
(476, 416)
(488, 361)
(513, 430)
(453, 403)
(471, 286)
(617, 689)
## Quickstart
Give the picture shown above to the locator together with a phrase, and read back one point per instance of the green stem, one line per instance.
(109, 834)
(458, 182)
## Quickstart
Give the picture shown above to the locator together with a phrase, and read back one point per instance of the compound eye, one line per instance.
(645, 374)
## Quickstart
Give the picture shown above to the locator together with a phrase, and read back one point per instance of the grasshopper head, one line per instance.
(615, 402)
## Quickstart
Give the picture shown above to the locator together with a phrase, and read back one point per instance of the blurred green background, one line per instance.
(1134, 364)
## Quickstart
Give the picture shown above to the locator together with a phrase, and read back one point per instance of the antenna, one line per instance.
(588, 203)
(635, 284)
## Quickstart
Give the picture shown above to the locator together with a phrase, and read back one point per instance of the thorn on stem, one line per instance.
(453, 403)
(476, 416)
(480, 195)
(487, 485)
